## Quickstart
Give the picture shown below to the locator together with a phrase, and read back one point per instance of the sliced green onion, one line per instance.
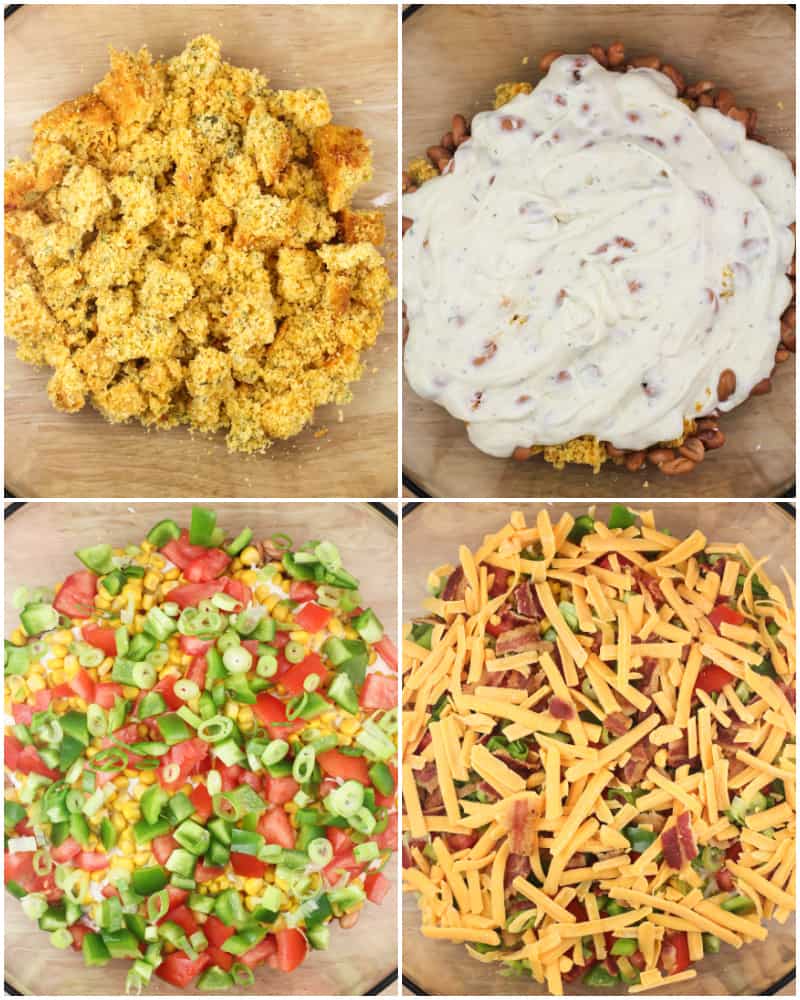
(275, 751)
(303, 766)
(320, 852)
(186, 689)
(295, 652)
(96, 721)
(215, 729)
(238, 660)
(347, 799)
(157, 906)
(144, 675)
(267, 666)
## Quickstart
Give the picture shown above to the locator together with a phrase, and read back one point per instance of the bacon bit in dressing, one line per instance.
(614, 731)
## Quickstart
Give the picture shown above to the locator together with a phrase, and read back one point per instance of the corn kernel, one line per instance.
(158, 560)
(62, 636)
(252, 886)
(232, 710)
(250, 556)
(249, 576)
(251, 903)
(131, 811)
(349, 726)
(102, 602)
(151, 581)
(271, 601)
(130, 691)
(336, 628)
(299, 636)
(56, 664)
(36, 684)
(171, 575)
(121, 781)
(286, 586)
(280, 613)
(148, 601)
(118, 822)
(262, 593)
(59, 650)
(147, 777)
(18, 637)
(373, 656)
(58, 677)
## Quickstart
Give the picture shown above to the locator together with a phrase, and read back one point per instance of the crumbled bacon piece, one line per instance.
(561, 709)
(526, 602)
(455, 587)
(517, 865)
(686, 836)
(641, 754)
(518, 640)
(617, 723)
(519, 817)
(671, 847)
(678, 752)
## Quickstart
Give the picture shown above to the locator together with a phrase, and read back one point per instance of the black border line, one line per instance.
(412, 9)
(11, 8)
(384, 509)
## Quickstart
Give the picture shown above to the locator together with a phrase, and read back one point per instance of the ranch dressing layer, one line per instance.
(595, 257)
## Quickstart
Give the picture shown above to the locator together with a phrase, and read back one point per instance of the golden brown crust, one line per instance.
(170, 249)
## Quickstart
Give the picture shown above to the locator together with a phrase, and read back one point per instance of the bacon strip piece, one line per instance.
(519, 640)
(686, 836)
(672, 848)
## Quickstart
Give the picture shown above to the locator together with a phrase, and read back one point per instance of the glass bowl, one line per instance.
(453, 57)
(56, 52)
(432, 533)
(40, 542)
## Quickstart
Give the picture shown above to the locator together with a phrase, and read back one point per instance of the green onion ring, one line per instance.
(108, 760)
(157, 905)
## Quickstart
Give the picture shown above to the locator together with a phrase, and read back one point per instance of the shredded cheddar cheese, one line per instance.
(592, 719)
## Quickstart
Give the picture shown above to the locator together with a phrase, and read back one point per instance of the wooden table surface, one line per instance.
(58, 52)
(453, 56)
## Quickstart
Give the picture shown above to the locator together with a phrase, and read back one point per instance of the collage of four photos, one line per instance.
(400, 498)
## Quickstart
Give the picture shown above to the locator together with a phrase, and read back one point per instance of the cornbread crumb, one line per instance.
(180, 249)
(505, 92)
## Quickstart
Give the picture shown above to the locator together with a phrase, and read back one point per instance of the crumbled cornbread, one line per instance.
(505, 92)
(181, 250)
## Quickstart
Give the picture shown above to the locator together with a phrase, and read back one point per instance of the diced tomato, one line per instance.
(247, 866)
(23, 713)
(339, 765)
(295, 676)
(108, 891)
(261, 952)
(28, 761)
(125, 734)
(280, 639)
(165, 688)
(388, 839)
(101, 637)
(65, 851)
(378, 691)
(223, 959)
(106, 694)
(92, 861)
(162, 847)
(19, 868)
(83, 685)
(251, 645)
(339, 840)
(197, 672)
(312, 617)
(724, 613)
(280, 790)
(201, 800)
(179, 970)
(75, 598)
(193, 646)
(292, 949)
(187, 755)
(712, 678)
(205, 873)
(12, 749)
(302, 591)
(78, 932)
(177, 897)
(184, 918)
(387, 651)
(253, 780)
(217, 932)
(376, 886)
(275, 828)
(341, 864)
(207, 567)
(42, 699)
(231, 776)
(674, 952)
(271, 713)
(505, 623)
(239, 591)
(189, 595)
(181, 551)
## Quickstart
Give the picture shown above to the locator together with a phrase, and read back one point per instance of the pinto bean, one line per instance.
(616, 55)
(406, 329)
(752, 120)
(646, 62)
(782, 354)
(705, 101)
(739, 115)
(726, 386)
(549, 58)
(696, 89)
(407, 224)
(615, 452)
(522, 454)
(448, 142)
(712, 438)
(762, 388)
(598, 53)
(693, 449)
(676, 76)
(349, 919)
(460, 129)
(406, 182)
(677, 467)
(724, 100)
(635, 461)
(439, 157)
(657, 456)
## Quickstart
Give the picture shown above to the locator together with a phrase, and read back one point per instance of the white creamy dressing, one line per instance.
(595, 257)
